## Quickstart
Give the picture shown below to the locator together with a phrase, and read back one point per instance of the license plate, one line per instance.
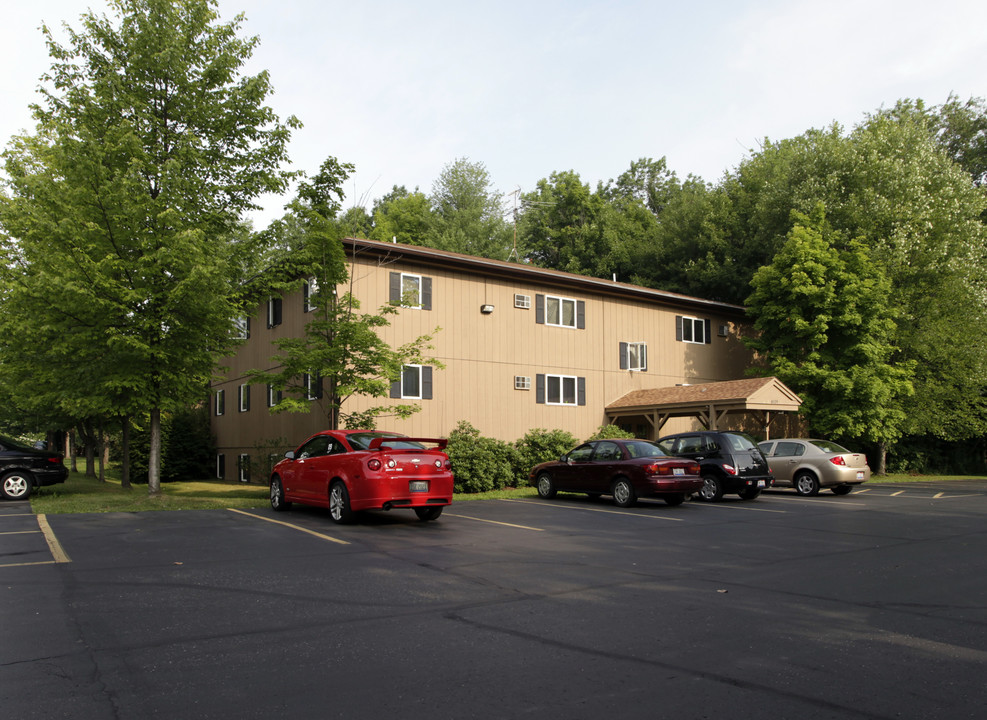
(419, 486)
(860, 474)
(678, 471)
(760, 483)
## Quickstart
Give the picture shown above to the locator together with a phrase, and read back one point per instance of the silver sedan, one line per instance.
(808, 465)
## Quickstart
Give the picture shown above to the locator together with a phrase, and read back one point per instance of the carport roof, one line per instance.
(768, 393)
(709, 402)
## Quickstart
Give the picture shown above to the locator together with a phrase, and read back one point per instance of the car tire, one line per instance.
(426, 514)
(806, 484)
(339, 504)
(623, 493)
(674, 499)
(16, 486)
(842, 489)
(278, 503)
(749, 493)
(546, 488)
(712, 489)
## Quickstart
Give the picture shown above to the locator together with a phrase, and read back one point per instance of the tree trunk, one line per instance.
(154, 457)
(882, 458)
(102, 453)
(125, 453)
(70, 451)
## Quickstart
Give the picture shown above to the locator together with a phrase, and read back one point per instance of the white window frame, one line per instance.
(242, 325)
(220, 402)
(637, 356)
(560, 314)
(243, 467)
(271, 395)
(404, 393)
(522, 302)
(243, 395)
(221, 466)
(420, 282)
(522, 382)
(691, 326)
(561, 382)
(311, 287)
(311, 385)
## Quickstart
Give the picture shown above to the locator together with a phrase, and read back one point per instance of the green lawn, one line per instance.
(81, 494)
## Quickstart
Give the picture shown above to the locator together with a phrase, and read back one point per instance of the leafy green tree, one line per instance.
(340, 354)
(479, 463)
(122, 208)
(468, 212)
(824, 325)
(404, 217)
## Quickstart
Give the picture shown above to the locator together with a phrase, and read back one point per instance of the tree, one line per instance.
(825, 327)
(403, 217)
(123, 208)
(468, 212)
(340, 355)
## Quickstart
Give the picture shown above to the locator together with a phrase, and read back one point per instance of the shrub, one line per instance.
(606, 432)
(538, 446)
(479, 463)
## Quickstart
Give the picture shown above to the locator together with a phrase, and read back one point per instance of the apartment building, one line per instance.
(521, 348)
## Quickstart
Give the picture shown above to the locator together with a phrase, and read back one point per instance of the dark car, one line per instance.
(23, 469)
(729, 462)
(351, 470)
(625, 469)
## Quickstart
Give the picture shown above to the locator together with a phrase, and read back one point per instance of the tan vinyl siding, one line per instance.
(484, 352)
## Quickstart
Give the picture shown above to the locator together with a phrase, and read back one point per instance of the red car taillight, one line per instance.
(838, 460)
(729, 469)
(374, 464)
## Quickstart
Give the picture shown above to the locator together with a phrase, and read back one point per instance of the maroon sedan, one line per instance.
(625, 469)
(351, 470)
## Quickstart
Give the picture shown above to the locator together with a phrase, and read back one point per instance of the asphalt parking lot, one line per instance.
(872, 605)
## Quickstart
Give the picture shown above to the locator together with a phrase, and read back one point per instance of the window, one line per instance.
(560, 390)
(560, 311)
(243, 398)
(220, 402)
(522, 383)
(786, 449)
(692, 330)
(633, 356)
(243, 463)
(313, 386)
(242, 328)
(221, 466)
(608, 451)
(273, 312)
(309, 289)
(415, 383)
(522, 301)
(411, 291)
(273, 396)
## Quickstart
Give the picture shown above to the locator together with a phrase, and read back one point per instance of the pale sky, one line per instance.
(530, 87)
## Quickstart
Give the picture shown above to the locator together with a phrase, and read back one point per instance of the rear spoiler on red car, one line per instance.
(440, 443)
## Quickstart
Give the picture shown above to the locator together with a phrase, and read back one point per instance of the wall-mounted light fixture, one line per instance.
(486, 309)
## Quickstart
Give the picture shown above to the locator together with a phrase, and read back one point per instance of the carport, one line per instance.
(759, 399)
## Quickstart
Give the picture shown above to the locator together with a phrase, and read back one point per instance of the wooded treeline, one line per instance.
(126, 262)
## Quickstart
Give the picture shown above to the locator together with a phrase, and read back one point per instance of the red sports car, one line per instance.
(625, 469)
(351, 470)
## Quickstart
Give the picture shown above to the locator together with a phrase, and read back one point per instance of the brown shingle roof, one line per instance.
(751, 393)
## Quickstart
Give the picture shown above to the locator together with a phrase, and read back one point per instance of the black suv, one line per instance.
(22, 469)
(729, 462)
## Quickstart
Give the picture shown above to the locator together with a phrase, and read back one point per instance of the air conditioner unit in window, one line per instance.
(724, 330)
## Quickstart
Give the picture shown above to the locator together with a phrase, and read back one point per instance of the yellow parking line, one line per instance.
(40, 562)
(21, 532)
(495, 522)
(289, 525)
(57, 552)
(589, 509)
(896, 494)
